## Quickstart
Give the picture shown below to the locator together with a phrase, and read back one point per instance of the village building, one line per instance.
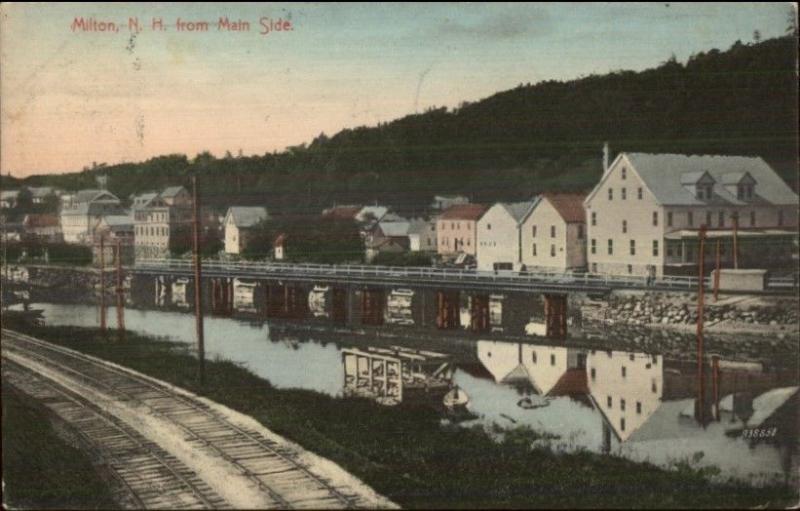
(114, 229)
(239, 223)
(163, 224)
(442, 202)
(81, 211)
(387, 236)
(422, 235)
(40, 194)
(644, 216)
(42, 227)
(8, 199)
(500, 236)
(553, 235)
(279, 247)
(456, 229)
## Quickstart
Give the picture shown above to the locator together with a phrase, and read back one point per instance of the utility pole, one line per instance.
(700, 401)
(715, 380)
(120, 294)
(102, 286)
(736, 241)
(716, 276)
(198, 287)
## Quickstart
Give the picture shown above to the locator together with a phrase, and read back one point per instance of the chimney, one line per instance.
(605, 158)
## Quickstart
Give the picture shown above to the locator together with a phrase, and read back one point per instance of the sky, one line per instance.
(71, 97)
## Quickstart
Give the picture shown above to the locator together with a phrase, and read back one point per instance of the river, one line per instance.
(637, 405)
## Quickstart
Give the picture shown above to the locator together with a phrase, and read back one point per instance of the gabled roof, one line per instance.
(280, 240)
(690, 178)
(519, 210)
(376, 212)
(342, 212)
(171, 191)
(143, 200)
(661, 173)
(463, 212)
(41, 191)
(394, 229)
(246, 216)
(734, 178)
(568, 205)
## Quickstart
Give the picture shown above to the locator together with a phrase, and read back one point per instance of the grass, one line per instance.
(40, 469)
(409, 456)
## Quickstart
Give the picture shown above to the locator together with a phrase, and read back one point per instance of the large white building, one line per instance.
(644, 215)
(81, 211)
(499, 236)
(553, 235)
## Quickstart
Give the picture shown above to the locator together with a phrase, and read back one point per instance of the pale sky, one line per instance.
(72, 97)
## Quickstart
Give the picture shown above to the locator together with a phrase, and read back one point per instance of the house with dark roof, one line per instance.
(239, 224)
(456, 229)
(645, 214)
(500, 235)
(553, 234)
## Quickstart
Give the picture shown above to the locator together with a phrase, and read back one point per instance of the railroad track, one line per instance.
(276, 469)
(148, 477)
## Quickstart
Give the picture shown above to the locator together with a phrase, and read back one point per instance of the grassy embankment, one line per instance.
(409, 456)
(40, 469)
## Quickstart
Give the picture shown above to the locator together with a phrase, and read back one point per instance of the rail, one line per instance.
(466, 276)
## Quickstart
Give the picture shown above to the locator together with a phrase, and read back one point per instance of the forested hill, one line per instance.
(549, 135)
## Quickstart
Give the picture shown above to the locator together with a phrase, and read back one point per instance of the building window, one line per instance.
(610, 194)
(552, 250)
(622, 424)
(593, 373)
(630, 269)
(624, 226)
(653, 386)
(624, 173)
(721, 219)
(488, 227)
(623, 193)
(669, 219)
(533, 356)
(610, 247)
(552, 360)
(690, 218)
(552, 231)
(655, 218)
(533, 231)
(638, 407)
(442, 226)
(533, 249)
(609, 401)
(780, 218)
(452, 226)
(580, 231)
(624, 372)
(594, 218)
(752, 219)
(708, 218)
(622, 404)
(594, 267)
(655, 248)
(594, 246)
(633, 248)
(639, 193)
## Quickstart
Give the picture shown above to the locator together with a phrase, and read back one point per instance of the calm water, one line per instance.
(637, 405)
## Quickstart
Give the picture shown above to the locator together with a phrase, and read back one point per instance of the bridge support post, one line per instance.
(555, 313)
(447, 310)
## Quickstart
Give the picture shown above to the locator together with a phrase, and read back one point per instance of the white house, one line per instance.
(422, 235)
(499, 235)
(554, 233)
(238, 225)
(644, 215)
(81, 211)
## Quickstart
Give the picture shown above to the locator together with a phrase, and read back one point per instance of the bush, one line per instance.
(403, 259)
(56, 253)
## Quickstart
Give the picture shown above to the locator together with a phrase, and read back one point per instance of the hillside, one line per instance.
(548, 135)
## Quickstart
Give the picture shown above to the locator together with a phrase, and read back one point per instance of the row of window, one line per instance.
(632, 246)
(720, 216)
(552, 250)
(144, 230)
(457, 242)
(623, 192)
(553, 231)
(455, 226)
(610, 404)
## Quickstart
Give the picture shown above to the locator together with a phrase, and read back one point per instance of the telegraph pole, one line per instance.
(198, 287)
(716, 276)
(102, 286)
(120, 294)
(700, 402)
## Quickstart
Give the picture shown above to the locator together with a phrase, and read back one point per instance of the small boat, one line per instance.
(456, 398)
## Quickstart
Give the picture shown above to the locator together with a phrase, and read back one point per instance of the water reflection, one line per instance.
(638, 405)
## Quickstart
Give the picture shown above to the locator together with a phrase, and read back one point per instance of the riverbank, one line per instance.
(408, 455)
(41, 468)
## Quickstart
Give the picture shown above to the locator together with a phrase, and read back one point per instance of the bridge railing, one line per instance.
(430, 273)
